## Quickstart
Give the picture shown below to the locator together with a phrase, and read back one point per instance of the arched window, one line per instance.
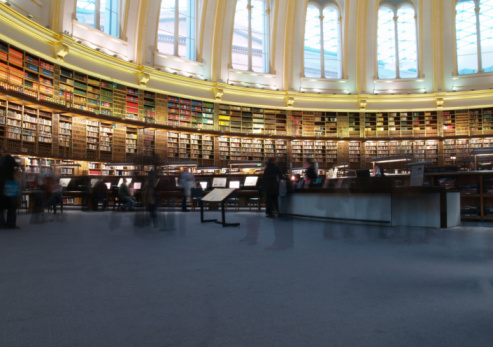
(104, 15)
(474, 48)
(396, 43)
(322, 48)
(177, 28)
(250, 49)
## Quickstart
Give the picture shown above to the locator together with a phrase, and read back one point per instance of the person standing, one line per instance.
(56, 195)
(10, 189)
(187, 182)
(310, 172)
(270, 180)
(150, 196)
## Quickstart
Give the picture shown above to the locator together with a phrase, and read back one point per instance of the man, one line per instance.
(187, 182)
(126, 197)
(270, 180)
(310, 172)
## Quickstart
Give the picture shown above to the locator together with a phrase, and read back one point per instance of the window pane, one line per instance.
(166, 28)
(186, 29)
(259, 36)
(312, 48)
(486, 29)
(406, 34)
(467, 48)
(239, 54)
(86, 12)
(386, 44)
(109, 17)
(332, 43)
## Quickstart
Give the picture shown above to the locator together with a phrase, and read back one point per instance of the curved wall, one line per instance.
(54, 30)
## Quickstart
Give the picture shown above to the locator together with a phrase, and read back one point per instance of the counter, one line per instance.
(420, 207)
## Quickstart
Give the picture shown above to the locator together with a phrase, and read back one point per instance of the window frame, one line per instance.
(97, 18)
(321, 9)
(194, 7)
(266, 43)
(477, 10)
(395, 10)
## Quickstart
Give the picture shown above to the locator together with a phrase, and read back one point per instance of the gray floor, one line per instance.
(93, 279)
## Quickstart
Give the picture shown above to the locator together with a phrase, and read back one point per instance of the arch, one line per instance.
(104, 15)
(177, 28)
(322, 41)
(251, 28)
(397, 46)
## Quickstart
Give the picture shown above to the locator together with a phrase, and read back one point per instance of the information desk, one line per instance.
(421, 207)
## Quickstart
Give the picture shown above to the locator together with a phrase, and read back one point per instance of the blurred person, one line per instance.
(56, 190)
(127, 199)
(150, 197)
(10, 189)
(270, 180)
(100, 194)
(310, 172)
(187, 182)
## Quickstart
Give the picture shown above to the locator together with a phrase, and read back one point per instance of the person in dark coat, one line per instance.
(10, 191)
(310, 172)
(270, 180)
(100, 194)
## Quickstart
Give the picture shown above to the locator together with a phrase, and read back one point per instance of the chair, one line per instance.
(255, 201)
(233, 200)
(117, 203)
(196, 196)
(24, 204)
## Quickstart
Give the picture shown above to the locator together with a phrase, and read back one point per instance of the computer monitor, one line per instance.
(204, 185)
(363, 173)
(219, 182)
(251, 181)
(64, 182)
(234, 184)
(94, 181)
(108, 185)
(137, 185)
(177, 182)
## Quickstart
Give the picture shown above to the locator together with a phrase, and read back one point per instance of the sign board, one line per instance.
(218, 194)
(417, 176)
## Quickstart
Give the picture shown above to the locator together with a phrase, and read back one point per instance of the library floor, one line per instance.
(94, 279)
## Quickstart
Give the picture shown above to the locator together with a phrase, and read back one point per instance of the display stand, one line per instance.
(217, 195)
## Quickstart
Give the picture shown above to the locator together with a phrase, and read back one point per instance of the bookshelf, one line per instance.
(370, 125)
(331, 151)
(354, 125)
(149, 107)
(132, 104)
(258, 125)
(319, 151)
(14, 126)
(149, 142)
(65, 135)
(269, 148)
(297, 123)
(382, 124)
(235, 148)
(105, 141)
(92, 139)
(173, 146)
(297, 151)
(354, 152)
(131, 141)
(281, 148)
(27, 73)
(224, 148)
(3, 114)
